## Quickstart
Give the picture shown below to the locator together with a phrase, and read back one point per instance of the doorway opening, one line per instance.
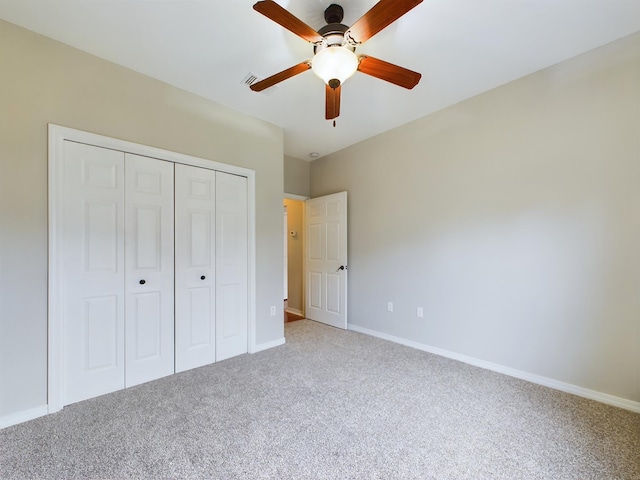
(293, 259)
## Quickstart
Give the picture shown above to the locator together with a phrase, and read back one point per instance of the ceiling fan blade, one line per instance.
(389, 72)
(382, 14)
(275, 12)
(279, 77)
(333, 102)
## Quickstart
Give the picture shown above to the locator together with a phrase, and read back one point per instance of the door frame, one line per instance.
(302, 198)
(57, 136)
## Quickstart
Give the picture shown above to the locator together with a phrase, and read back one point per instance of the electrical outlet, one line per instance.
(273, 310)
(420, 312)
(389, 306)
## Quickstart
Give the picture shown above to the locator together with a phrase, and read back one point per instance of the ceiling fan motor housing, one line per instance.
(333, 35)
(334, 31)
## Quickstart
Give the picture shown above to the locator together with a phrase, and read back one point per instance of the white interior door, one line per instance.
(149, 344)
(231, 265)
(195, 266)
(93, 286)
(326, 259)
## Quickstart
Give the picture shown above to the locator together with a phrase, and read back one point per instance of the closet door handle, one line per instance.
(143, 281)
(202, 277)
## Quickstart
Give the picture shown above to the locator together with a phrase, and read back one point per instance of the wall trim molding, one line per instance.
(512, 372)
(267, 345)
(295, 311)
(295, 196)
(23, 416)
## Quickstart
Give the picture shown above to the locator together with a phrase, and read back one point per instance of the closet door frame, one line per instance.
(57, 137)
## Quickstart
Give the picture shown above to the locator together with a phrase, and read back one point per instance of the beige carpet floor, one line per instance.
(329, 405)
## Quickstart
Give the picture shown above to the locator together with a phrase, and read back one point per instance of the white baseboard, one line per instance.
(267, 345)
(512, 372)
(295, 311)
(23, 416)
(26, 415)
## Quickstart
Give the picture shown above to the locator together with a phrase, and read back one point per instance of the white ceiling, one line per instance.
(461, 47)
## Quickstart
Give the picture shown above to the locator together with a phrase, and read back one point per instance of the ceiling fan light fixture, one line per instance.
(334, 63)
(334, 45)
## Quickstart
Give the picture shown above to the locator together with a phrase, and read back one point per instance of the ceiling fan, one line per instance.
(334, 48)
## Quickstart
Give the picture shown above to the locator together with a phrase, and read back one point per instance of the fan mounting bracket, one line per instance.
(334, 13)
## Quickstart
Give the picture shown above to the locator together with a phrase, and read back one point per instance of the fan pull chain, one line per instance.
(334, 124)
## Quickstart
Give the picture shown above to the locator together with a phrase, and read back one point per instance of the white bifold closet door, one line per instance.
(211, 266)
(149, 291)
(118, 324)
(153, 282)
(231, 265)
(93, 285)
(195, 267)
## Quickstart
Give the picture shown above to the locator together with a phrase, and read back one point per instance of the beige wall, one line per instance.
(295, 252)
(297, 177)
(513, 219)
(42, 82)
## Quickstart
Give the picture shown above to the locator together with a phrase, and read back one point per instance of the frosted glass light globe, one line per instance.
(334, 63)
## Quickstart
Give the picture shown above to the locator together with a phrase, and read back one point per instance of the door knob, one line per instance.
(202, 277)
(142, 282)
(341, 267)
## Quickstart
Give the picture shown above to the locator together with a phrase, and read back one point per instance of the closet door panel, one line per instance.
(149, 269)
(93, 277)
(231, 265)
(195, 267)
